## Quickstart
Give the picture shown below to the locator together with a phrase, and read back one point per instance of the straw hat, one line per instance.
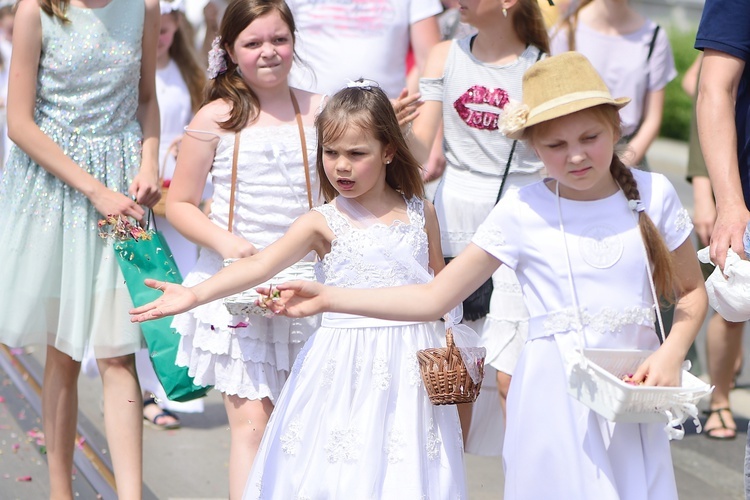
(555, 87)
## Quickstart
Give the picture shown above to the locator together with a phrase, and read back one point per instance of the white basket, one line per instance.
(243, 303)
(600, 387)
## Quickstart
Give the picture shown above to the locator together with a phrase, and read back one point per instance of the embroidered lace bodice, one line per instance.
(364, 258)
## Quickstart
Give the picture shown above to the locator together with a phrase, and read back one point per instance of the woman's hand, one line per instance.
(297, 299)
(108, 202)
(176, 299)
(660, 369)
(234, 247)
(145, 188)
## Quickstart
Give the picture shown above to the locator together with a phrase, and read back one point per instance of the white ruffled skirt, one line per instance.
(250, 361)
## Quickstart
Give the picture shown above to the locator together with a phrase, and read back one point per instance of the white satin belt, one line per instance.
(341, 320)
(604, 321)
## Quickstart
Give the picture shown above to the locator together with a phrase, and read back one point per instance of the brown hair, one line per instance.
(571, 23)
(56, 8)
(184, 55)
(230, 85)
(528, 23)
(370, 110)
(659, 255)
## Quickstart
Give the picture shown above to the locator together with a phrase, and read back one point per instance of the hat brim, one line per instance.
(566, 109)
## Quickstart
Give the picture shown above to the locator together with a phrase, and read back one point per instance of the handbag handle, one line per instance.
(230, 224)
(303, 142)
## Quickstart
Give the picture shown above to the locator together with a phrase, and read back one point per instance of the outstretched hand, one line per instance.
(176, 299)
(297, 299)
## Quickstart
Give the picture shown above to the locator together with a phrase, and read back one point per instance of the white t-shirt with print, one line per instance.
(340, 40)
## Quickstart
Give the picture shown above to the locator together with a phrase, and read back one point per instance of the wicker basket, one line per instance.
(160, 208)
(445, 376)
(243, 303)
(601, 388)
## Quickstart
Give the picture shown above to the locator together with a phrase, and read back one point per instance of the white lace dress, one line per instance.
(250, 361)
(354, 420)
(555, 447)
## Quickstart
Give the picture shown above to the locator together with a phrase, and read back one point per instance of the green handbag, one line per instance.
(145, 254)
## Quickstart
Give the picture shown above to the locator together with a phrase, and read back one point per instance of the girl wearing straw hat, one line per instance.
(582, 243)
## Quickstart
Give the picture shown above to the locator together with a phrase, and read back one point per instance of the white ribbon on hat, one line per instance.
(569, 98)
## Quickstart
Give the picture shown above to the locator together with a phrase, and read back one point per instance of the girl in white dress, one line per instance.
(594, 216)
(248, 100)
(353, 420)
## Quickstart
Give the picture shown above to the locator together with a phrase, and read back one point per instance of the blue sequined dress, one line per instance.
(59, 281)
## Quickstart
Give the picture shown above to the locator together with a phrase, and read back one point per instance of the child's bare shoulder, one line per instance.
(211, 115)
(310, 103)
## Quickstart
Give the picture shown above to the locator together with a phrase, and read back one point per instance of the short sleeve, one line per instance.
(499, 234)
(431, 89)
(724, 27)
(422, 9)
(674, 222)
(661, 65)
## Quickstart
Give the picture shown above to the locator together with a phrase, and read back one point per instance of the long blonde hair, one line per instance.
(56, 8)
(528, 23)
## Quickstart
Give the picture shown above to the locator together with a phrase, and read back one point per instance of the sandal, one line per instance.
(156, 421)
(711, 432)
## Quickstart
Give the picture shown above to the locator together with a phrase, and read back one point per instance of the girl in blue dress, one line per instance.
(83, 113)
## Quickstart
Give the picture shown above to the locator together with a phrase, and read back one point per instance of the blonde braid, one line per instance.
(659, 255)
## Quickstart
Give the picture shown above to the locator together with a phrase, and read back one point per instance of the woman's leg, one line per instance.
(123, 421)
(503, 384)
(723, 342)
(247, 422)
(59, 417)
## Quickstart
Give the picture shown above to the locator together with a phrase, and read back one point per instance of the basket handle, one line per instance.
(449, 342)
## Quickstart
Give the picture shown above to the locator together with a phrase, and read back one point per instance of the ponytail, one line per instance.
(659, 256)
(528, 23)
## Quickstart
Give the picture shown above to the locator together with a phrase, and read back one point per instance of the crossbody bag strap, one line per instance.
(230, 224)
(304, 148)
(505, 174)
(513, 148)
